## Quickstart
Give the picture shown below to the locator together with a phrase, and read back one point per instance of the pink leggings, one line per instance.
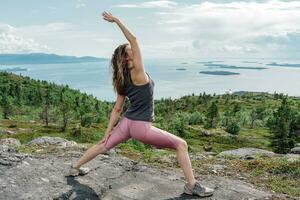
(142, 131)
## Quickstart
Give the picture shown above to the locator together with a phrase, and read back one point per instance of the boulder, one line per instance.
(205, 132)
(10, 142)
(45, 140)
(295, 150)
(246, 153)
(54, 141)
(8, 132)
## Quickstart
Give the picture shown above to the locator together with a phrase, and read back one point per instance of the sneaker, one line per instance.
(75, 172)
(198, 189)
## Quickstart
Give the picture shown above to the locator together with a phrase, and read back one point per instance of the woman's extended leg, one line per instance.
(149, 134)
(90, 154)
(184, 162)
(119, 134)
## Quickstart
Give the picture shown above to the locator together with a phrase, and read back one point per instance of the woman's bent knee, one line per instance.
(182, 145)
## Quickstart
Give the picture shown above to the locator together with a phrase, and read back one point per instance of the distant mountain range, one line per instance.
(43, 58)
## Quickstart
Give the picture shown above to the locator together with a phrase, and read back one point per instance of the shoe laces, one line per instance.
(200, 186)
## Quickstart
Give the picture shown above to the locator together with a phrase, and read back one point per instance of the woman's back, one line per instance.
(141, 101)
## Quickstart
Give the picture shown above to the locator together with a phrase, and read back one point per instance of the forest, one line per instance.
(270, 121)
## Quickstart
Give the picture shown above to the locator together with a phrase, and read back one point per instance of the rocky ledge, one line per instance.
(41, 176)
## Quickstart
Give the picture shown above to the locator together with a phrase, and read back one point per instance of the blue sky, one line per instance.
(165, 29)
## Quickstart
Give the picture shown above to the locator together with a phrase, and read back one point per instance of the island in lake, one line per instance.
(15, 69)
(232, 66)
(284, 64)
(220, 73)
(181, 68)
(43, 58)
(209, 62)
(252, 62)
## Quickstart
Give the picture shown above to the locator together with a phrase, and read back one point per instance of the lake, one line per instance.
(175, 78)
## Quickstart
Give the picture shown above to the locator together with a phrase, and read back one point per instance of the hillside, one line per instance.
(43, 58)
(211, 124)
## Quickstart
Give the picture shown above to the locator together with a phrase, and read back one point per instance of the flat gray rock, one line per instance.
(56, 142)
(10, 142)
(8, 132)
(246, 152)
(295, 150)
(46, 140)
(110, 178)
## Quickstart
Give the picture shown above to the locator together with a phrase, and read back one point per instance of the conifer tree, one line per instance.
(212, 115)
(5, 102)
(65, 102)
(46, 103)
(280, 126)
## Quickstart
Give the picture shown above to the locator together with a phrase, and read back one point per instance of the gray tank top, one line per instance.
(141, 101)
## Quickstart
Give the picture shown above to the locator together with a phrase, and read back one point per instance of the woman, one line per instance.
(130, 79)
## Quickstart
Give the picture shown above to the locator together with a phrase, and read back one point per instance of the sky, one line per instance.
(165, 29)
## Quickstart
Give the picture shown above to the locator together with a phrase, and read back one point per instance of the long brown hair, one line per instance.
(119, 66)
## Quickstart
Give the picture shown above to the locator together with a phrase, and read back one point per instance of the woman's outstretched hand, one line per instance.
(108, 17)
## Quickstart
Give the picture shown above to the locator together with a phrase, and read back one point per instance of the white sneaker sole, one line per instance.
(189, 192)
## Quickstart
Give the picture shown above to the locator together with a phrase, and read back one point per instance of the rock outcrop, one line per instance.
(41, 176)
(246, 153)
(111, 177)
(10, 142)
(295, 150)
(53, 141)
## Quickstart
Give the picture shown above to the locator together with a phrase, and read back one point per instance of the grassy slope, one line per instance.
(273, 174)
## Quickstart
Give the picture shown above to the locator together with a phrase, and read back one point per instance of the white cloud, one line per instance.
(150, 4)
(207, 29)
(59, 38)
(12, 42)
(80, 4)
(46, 29)
(236, 28)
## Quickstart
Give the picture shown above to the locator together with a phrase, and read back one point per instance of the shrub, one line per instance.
(178, 124)
(196, 118)
(86, 120)
(233, 127)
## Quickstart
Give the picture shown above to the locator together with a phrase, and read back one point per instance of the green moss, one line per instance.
(27, 149)
(277, 174)
(283, 185)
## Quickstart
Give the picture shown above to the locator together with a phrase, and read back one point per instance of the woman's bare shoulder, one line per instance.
(139, 77)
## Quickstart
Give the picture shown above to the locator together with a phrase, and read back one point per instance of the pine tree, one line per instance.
(5, 102)
(231, 118)
(280, 125)
(65, 108)
(212, 115)
(84, 112)
(47, 98)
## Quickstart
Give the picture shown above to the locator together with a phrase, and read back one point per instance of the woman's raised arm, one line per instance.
(109, 17)
(137, 56)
